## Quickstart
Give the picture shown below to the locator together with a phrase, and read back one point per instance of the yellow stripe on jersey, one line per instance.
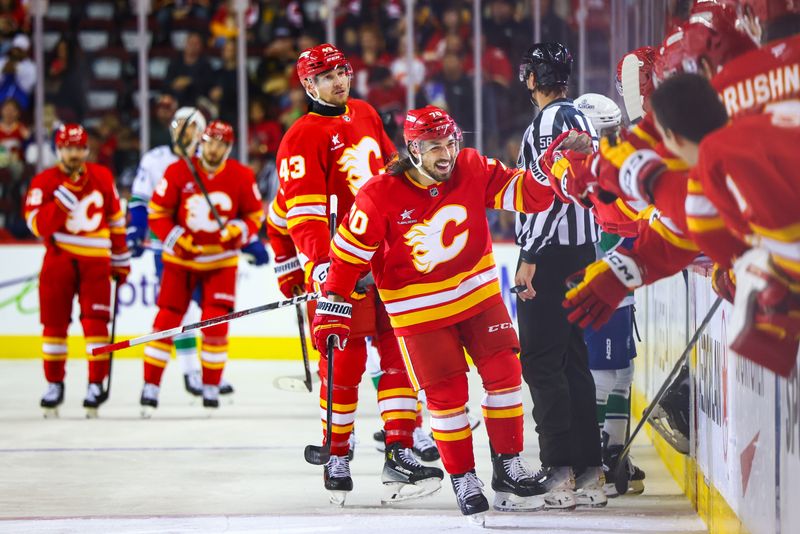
(200, 266)
(85, 251)
(306, 199)
(646, 137)
(694, 187)
(291, 223)
(447, 309)
(348, 236)
(415, 290)
(346, 257)
(452, 436)
(700, 225)
(627, 211)
(672, 238)
(787, 234)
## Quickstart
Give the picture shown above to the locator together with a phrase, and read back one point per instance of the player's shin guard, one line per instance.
(54, 354)
(502, 401)
(397, 403)
(450, 425)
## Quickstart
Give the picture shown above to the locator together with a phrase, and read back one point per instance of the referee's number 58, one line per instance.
(544, 142)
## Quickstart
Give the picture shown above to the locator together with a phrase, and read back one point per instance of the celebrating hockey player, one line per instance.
(753, 195)
(334, 150)
(422, 230)
(198, 253)
(75, 208)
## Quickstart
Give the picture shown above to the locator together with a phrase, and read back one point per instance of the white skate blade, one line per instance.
(477, 520)
(337, 498)
(50, 413)
(91, 413)
(147, 412)
(591, 498)
(394, 492)
(508, 502)
(560, 500)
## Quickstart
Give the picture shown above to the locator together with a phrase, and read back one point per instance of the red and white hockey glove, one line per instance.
(181, 244)
(571, 178)
(602, 286)
(723, 282)
(628, 171)
(290, 275)
(316, 273)
(331, 319)
(235, 235)
(120, 266)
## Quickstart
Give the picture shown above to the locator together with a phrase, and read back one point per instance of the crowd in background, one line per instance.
(195, 40)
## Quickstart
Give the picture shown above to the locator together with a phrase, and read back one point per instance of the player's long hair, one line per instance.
(399, 164)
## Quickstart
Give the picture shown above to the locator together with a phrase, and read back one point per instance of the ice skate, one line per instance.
(225, 387)
(193, 383)
(52, 399)
(470, 497)
(589, 488)
(515, 489)
(337, 479)
(560, 485)
(405, 478)
(210, 396)
(95, 396)
(635, 475)
(671, 416)
(424, 446)
(149, 400)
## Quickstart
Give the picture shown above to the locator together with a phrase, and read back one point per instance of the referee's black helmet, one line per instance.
(550, 63)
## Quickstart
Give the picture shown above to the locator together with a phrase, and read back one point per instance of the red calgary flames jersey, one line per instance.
(752, 193)
(90, 224)
(178, 201)
(328, 155)
(760, 77)
(429, 247)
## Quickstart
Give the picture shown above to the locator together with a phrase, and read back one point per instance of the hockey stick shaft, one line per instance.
(20, 280)
(682, 360)
(114, 313)
(203, 324)
(301, 328)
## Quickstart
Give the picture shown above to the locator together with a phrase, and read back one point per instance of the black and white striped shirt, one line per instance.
(561, 224)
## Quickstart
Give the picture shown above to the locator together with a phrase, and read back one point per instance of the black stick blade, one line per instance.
(621, 475)
(317, 455)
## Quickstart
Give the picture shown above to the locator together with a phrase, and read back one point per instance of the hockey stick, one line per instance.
(620, 472)
(301, 328)
(203, 324)
(114, 313)
(15, 281)
(320, 455)
(186, 159)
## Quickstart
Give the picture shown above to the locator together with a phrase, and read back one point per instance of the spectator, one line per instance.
(17, 72)
(107, 140)
(298, 106)
(385, 94)
(264, 135)
(159, 127)
(373, 54)
(454, 22)
(48, 153)
(505, 32)
(167, 11)
(66, 81)
(13, 135)
(459, 94)
(191, 73)
(400, 68)
(223, 94)
(13, 19)
(223, 24)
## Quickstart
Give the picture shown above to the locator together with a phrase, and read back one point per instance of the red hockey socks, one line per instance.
(449, 423)
(397, 403)
(54, 353)
(502, 401)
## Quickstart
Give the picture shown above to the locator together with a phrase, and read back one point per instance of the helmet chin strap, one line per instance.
(418, 165)
(319, 100)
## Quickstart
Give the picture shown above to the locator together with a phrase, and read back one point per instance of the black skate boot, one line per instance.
(515, 488)
(337, 479)
(95, 396)
(589, 487)
(635, 475)
(225, 387)
(149, 400)
(671, 417)
(193, 383)
(470, 498)
(405, 478)
(210, 396)
(52, 399)
(424, 446)
(560, 485)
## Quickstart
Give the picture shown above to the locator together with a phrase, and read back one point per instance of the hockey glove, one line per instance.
(626, 171)
(290, 275)
(723, 282)
(120, 267)
(571, 178)
(601, 287)
(181, 244)
(331, 319)
(316, 274)
(234, 235)
(137, 230)
(255, 252)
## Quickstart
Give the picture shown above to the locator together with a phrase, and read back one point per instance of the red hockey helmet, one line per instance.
(219, 130)
(321, 58)
(714, 32)
(646, 56)
(71, 134)
(430, 122)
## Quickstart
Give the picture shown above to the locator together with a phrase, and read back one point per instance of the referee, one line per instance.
(554, 244)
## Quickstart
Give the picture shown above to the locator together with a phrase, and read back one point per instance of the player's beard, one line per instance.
(212, 163)
(73, 164)
(438, 172)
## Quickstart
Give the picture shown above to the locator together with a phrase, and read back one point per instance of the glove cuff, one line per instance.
(637, 173)
(122, 259)
(624, 268)
(172, 237)
(286, 266)
(338, 309)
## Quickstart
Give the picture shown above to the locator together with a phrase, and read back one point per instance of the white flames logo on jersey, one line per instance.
(79, 219)
(355, 162)
(425, 238)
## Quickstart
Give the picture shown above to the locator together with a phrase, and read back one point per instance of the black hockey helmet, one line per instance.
(550, 63)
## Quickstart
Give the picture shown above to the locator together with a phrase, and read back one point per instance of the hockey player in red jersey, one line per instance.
(421, 229)
(334, 150)
(197, 252)
(75, 208)
(752, 194)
